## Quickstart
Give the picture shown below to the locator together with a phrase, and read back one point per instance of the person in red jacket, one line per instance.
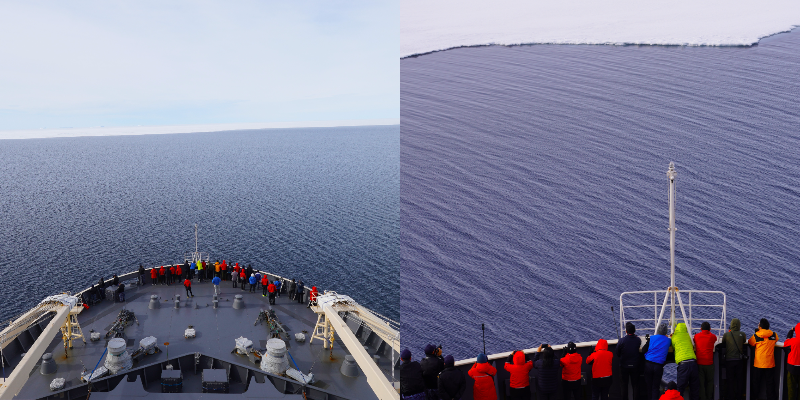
(793, 362)
(188, 285)
(600, 361)
(223, 274)
(312, 297)
(162, 275)
(571, 372)
(520, 370)
(704, 342)
(153, 276)
(171, 275)
(271, 291)
(483, 374)
(672, 392)
(178, 272)
(264, 285)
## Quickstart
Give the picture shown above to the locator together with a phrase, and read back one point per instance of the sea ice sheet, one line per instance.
(428, 26)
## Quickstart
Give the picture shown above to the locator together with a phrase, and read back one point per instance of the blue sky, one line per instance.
(107, 63)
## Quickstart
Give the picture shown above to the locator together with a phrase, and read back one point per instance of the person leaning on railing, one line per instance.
(483, 374)
(519, 374)
(451, 384)
(688, 374)
(793, 362)
(628, 356)
(733, 341)
(704, 344)
(432, 365)
(601, 360)
(764, 360)
(545, 362)
(412, 385)
(655, 352)
(571, 372)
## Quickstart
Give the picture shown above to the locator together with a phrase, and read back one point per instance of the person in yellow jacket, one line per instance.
(764, 361)
(200, 271)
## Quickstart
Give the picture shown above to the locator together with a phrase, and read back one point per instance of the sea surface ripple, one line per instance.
(533, 187)
(319, 204)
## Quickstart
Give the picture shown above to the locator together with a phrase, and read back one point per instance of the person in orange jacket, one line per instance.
(483, 374)
(600, 360)
(764, 361)
(793, 362)
(672, 392)
(571, 372)
(520, 370)
(188, 285)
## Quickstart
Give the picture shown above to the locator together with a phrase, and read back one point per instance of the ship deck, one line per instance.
(216, 331)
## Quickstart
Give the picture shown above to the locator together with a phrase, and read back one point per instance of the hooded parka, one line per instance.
(682, 344)
(764, 341)
(483, 374)
(519, 370)
(600, 360)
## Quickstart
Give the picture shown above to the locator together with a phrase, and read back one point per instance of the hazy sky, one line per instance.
(93, 63)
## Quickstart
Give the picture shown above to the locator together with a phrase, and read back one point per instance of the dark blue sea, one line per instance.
(319, 204)
(533, 187)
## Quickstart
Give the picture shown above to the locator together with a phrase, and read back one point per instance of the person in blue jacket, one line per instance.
(216, 281)
(278, 287)
(252, 281)
(655, 352)
(300, 291)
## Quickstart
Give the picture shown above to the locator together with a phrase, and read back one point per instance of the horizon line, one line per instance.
(189, 128)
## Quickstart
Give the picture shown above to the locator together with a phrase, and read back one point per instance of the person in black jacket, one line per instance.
(549, 374)
(452, 383)
(431, 366)
(629, 365)
(102, 287)
(412, 384)
(141, 275)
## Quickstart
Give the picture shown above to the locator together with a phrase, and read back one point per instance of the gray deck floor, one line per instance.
(216, 331)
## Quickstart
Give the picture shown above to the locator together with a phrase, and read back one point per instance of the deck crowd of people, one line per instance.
(216, 273)
(436, 377)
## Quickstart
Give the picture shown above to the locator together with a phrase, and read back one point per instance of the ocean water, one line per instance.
(533, 187)
(319, 204)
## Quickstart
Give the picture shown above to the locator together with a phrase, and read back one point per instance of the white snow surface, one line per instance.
(164, 129)
(432, 25)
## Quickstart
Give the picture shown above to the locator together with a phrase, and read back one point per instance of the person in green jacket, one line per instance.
(688, 373)
(734, 342)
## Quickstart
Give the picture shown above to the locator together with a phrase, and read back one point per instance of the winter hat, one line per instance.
(705, 326)
(482, 358)
(630, 328)
(429, 349)
(405, 354)
(672, 385)
(662, 329)
(764, 324)
(449, 361)
(571, 347)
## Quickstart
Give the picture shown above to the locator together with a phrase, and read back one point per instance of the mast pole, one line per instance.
(671, 175)
(195, 238)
